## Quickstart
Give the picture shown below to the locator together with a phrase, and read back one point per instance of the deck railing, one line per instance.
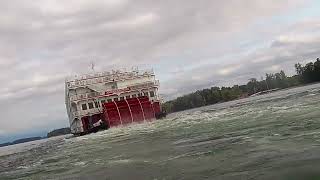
(87, 79)
(87, 112)
(117, 92)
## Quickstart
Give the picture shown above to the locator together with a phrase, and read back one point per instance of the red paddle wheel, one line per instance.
(129, 111)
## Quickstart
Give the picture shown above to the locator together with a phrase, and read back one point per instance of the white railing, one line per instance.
(86, 96)
(97, 94)
(87, 112)
(86, 79)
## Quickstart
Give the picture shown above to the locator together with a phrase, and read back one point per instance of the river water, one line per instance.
(273, 136)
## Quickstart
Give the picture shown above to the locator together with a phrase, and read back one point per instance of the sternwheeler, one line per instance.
(101, 100)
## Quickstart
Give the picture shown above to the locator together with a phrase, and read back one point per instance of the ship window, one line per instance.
(145, 93)
(109, 100)
(139, 95)
(96, 103)
(133, 95)
(84, 107)
(121, 98)
(128, 97)
(90, 104)
(151, 94)
(103, 101)
(116, 99)
(74, 107)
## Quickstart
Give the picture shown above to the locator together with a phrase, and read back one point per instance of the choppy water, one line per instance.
(275, 136)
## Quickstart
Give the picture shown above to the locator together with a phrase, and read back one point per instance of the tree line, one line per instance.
(305, 74)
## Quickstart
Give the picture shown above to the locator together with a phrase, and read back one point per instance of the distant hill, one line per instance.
(5, 144)
(59, 132)
(56, 132)
(26, 140)
(18, 141)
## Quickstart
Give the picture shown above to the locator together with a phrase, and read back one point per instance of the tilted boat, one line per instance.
(107, 99)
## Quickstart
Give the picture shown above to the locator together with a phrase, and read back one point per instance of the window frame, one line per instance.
(84, 106)
(96, 104)
(89, 105)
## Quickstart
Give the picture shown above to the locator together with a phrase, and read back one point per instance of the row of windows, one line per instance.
(96, 104)
(91, 105)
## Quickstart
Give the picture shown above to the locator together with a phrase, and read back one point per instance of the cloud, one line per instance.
(273, 68)
(134, 22)
(228, 70)
(190, 44)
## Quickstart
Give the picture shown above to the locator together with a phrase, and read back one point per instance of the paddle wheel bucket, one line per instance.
(136, 109)
(111, 114)
(129, 111)
(125, 113)
(147, 108)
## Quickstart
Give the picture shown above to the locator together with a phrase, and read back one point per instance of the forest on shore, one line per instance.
(306, 74)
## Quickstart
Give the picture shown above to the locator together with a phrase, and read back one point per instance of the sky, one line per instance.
(189, 44)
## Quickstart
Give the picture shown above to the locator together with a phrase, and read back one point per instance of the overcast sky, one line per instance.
(190, 45)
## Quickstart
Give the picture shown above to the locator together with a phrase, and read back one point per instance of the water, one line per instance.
(274, 136)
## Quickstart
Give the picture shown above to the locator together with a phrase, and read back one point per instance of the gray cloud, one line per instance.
(191, 45)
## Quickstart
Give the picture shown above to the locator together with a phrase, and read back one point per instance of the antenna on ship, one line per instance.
(92, 65)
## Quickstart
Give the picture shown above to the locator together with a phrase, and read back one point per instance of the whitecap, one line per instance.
(81, 163)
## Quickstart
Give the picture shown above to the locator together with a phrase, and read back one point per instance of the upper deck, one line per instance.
(105, 77)
(96, 85)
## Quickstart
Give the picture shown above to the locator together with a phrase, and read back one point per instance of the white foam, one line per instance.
(81, 163)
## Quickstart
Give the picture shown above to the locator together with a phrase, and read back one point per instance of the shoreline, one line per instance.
(279, 90)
